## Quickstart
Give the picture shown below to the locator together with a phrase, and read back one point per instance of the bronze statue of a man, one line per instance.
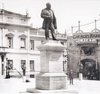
(49, 23)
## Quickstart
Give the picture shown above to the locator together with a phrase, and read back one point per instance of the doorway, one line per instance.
(90, 70)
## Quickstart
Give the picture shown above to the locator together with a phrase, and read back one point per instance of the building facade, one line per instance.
(18, 43)
(84, 53)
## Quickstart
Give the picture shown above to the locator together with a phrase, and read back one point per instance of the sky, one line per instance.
(67, 12)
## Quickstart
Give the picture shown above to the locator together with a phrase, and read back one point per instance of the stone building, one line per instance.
(84, 53)
(18, 43)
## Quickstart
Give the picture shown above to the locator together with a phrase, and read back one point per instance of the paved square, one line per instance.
(18, 86)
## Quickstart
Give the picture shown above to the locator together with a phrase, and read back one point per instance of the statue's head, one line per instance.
(48, 5)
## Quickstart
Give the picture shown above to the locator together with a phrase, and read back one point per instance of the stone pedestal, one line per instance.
(51, 76)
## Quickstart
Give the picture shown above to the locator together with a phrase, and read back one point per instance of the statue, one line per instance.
(49, 23)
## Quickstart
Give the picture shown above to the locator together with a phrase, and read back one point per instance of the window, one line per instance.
(23, 63)
(88, 50)
(32, 44)
(62, 43)
(10, 19)
(10, 42)
(23, 43)
(31, 65)
(23, 21)
(10, 64)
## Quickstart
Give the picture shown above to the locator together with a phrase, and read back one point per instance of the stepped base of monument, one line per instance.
(61, 91)
(51, 81)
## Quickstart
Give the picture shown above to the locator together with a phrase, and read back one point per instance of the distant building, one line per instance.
(84, 53)
(18, 43)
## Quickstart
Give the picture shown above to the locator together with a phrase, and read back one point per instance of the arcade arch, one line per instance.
(90, 69)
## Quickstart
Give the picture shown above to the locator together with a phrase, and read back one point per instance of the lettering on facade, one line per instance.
(91, 35)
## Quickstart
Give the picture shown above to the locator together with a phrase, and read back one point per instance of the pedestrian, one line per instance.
(71, 77)
(49, 23)
(23, 69)
(8, 67)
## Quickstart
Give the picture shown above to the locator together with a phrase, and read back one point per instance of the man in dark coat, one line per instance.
(49, 22)
(71, 76)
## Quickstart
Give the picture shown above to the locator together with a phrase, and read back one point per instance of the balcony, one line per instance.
(41, 33)
(2, 50)
(13, 21)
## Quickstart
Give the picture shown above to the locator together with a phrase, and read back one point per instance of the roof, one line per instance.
(10, 12)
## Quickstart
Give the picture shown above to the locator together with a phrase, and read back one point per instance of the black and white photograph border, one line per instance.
(49, 46)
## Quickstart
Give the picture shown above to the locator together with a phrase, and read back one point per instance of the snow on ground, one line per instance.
(18, 86)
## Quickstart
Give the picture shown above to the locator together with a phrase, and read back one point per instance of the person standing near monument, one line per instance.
(71, 76)
(49, 23)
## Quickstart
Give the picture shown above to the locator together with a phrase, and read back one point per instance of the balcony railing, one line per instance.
(2, 50)
(13, 22)
(41, 33)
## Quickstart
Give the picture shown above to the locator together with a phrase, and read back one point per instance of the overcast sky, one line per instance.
(67, 12)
